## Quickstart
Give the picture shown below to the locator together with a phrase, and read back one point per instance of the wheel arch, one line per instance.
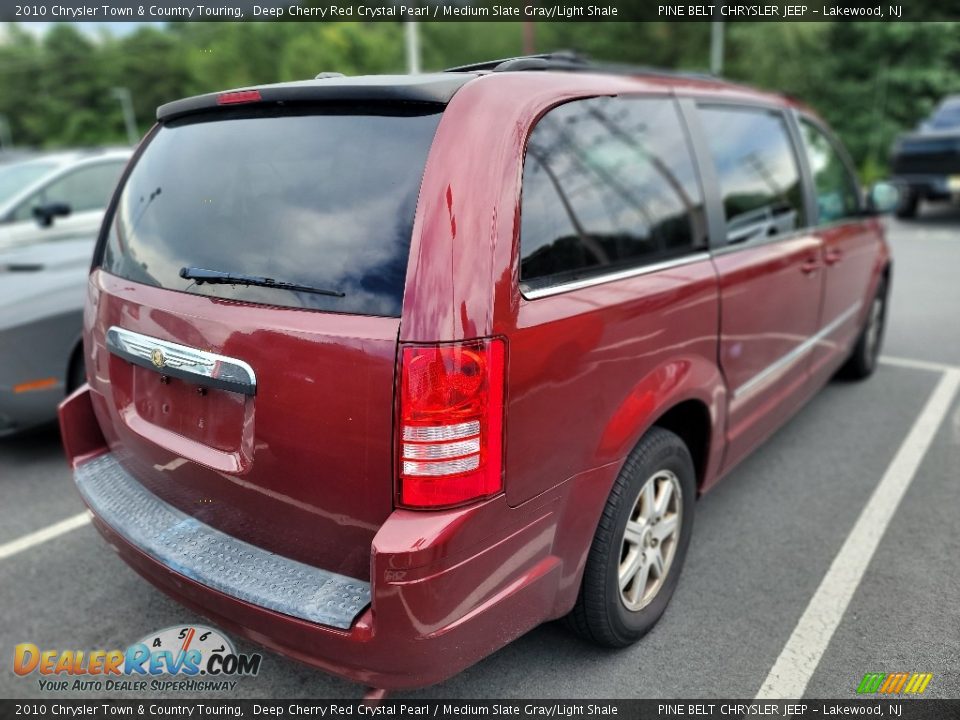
(686, 396)
(691, 421)
(74, 359)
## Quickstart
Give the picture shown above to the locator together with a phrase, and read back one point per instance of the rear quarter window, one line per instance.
(324, 197)
(608, 185)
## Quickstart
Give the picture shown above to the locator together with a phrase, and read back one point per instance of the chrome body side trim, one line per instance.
(795, 354)
(612, 277)
(180, 361)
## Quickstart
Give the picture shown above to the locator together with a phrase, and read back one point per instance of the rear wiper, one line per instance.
(218, 277)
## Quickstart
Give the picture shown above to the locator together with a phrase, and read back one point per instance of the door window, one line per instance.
(757, 172)
(608, 184)
(834, 185)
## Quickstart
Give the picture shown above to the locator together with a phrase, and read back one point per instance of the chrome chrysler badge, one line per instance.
(157, 358)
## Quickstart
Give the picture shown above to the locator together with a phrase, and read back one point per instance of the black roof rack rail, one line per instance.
(572, 61)
(543, 61)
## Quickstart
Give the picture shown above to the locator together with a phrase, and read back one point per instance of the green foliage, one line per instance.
(885, 78)
(869, 80)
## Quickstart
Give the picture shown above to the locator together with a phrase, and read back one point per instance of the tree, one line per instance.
(869, 80)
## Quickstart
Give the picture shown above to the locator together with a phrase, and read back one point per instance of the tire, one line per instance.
(77, 374)
(863, 358)
(909, 204)
(604, 613)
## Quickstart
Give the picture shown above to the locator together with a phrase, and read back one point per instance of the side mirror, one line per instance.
(44, 214)
(882, 198)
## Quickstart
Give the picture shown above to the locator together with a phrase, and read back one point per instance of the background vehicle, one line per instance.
(18, 155)
(926, 163)
(56, 196)
(488, 379)
(41, 310)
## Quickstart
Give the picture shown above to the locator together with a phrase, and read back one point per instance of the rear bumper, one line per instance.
(447, 588)
(212, 558)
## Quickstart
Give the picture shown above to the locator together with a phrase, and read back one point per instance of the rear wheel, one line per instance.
(863, 358)
(640, 544)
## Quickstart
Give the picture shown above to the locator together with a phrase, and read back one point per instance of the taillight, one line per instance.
(451, 423)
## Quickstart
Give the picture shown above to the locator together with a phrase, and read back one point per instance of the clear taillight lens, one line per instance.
(451, 423)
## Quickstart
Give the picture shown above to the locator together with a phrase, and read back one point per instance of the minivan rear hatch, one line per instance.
(244, 315)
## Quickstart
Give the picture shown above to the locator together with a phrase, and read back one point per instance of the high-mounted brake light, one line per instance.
(240, 96)
(451, 423)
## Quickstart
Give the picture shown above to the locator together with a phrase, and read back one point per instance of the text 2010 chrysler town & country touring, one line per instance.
(386, 371)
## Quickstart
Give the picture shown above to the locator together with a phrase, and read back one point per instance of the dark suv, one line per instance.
(386, 371)
(926, 162)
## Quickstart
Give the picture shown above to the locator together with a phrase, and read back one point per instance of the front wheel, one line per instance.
(863, 358)
(640, 544)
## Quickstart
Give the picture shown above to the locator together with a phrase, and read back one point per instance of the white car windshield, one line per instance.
(947, 116)
(16, 176)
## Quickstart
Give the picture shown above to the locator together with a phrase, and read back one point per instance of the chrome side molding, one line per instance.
(535, 293)
(180, 361)
(798, 352)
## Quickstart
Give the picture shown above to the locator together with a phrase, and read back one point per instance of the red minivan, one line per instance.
(384, 372)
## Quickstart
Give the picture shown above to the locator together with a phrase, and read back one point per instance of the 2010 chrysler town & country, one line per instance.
(386, 371)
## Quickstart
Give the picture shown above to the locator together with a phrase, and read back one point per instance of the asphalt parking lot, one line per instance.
(780, 586)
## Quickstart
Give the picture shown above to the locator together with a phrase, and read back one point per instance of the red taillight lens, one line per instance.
(451, 423)
(241, 96)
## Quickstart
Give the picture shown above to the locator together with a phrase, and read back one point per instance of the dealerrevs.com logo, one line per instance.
(203, 658)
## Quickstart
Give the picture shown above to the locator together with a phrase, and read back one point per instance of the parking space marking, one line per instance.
(800, 656)
(41, 536)
(917, 364)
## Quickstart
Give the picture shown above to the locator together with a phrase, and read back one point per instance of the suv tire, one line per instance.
(908, 205)
(654, 493)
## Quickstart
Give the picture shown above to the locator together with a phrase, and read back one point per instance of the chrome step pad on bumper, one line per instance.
(213, 558)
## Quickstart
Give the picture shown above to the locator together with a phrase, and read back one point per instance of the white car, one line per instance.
(57, 196)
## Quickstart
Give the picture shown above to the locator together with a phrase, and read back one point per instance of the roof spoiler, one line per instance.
(427, 89)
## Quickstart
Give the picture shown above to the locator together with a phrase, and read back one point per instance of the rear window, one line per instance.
(321, 198)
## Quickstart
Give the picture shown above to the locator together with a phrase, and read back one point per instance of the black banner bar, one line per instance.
(895, 707)
(478, 10)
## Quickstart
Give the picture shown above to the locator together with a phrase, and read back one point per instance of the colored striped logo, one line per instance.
(894, 683)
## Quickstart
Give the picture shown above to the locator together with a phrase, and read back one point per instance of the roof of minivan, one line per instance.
(440, 87)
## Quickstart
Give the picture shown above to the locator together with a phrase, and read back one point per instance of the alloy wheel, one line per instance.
(874, 329)
(650, 540)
